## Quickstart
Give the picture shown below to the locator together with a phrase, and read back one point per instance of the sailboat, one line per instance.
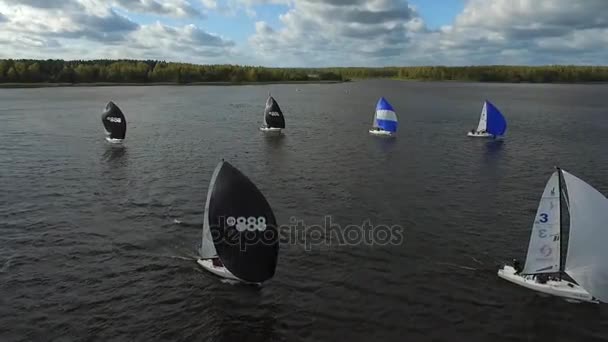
(274, 121)
(240, 237)
(114, 122)
(584, 275)
(385, 120)
(492, 123)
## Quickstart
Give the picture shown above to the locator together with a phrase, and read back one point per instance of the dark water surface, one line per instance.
(91, 247)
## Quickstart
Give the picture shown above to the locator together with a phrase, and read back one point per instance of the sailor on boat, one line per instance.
(583, 276)
(516, 266)
(217, 262)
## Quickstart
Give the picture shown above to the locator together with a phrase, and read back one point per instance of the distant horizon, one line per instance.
(310, 33)
(103, 71)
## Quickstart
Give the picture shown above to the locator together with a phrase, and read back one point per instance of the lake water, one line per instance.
(98, 242)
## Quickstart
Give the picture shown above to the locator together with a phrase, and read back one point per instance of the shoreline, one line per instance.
(153, 84)
(227, 83)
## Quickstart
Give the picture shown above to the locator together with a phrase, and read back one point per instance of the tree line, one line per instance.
(494, 73)
(149, 71)
(134, 71)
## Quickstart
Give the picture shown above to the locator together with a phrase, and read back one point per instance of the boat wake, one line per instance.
(229, 281)
(179, 257)
(458, 266)
(7, 265)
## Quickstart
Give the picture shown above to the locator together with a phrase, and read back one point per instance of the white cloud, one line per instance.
(338, 32)
(390, 32)
(309, 32)
(524, 31)
(175, 8)
(158, 41)
(67, 19)
(237, 7)
(210, 4)
(94, 29)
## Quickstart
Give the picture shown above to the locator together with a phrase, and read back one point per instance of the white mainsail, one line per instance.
(264, 113)
(375, 122)
(483, 119)
(264, 120)
(544, 248)
(588, 239)
(207, 246)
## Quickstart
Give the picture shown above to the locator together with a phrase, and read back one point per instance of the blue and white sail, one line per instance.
(385, 118)
(491, 121)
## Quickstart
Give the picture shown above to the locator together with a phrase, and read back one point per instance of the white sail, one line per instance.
(375, 122)
(483, 119)
(264, 113)
(264, 121)
(207, 246)
(544, 248)
(588, 239)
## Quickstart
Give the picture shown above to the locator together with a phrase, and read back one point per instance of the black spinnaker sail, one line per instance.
(242, 225)
(273, 116)
(114, 121)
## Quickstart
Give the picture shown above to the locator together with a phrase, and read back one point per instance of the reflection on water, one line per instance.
(274, 140)
(494, 146)
(386, 144)
(235, 321)
(242, 326)
(114, 153)
(493, 151)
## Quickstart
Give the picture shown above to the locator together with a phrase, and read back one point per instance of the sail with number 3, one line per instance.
(584, 275)
(544, 248)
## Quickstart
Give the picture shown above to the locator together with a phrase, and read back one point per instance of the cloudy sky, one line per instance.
(310, 32)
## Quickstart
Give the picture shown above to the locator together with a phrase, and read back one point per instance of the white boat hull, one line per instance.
(220, 271)
(114, 141)
(274, 130)
(480, 135)
(381, 133)
(559, 288)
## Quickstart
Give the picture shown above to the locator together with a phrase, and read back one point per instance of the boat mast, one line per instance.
(561, 231)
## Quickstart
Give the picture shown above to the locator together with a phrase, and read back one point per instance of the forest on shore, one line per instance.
(149, 71)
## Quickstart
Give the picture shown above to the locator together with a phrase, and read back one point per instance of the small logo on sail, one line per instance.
(247, 223)
(546, 251)
(274, 114)
(553, 191)
(114, 119)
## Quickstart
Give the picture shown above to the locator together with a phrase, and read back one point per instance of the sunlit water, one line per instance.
(97, 242)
